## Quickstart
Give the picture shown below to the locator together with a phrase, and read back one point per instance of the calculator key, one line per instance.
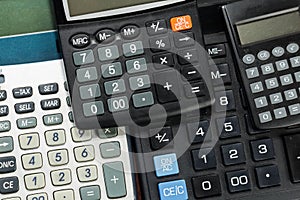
(32, 161)
(114, 87)
(22, 108)
(81, 40)
(136, 65)
(271, 83)
(70, 115)
(50, 88)
(133, 49)
(50, 104)
(5, 126)
(61, 177)
(191, 73)
(7, 164)
(58, 157)
(110, 149)
(130, 32)
(280, 113)
(224, 101)
(68, 100)
(196, 89)
(297, 76)
(64, 195)
(263, 55)
(143, 99)
(42, 196)
(262, 149)
(293, 156)
(14, 198)
(87, 173)
(139, 82)
(267, 176)
(276, 98)
(181, 23)
(290, 94)
(4, 111)
(295, 61)
(83, 57)
(9, 185)
(108, 53)
(267, 69)
(265, 117)
(292, 48)
(86, 74)
(231, 127)
(111, 70)
(55, 137)
(89, 91)
(118, 104)
(166, 190)
(221, 75)
(6, 144)
(163, 60)
(35, 181)
(160, 44)
(294, 109)
(90, 192)
(26, 123)
(54, 119)
(233, 154)
(3, 95)
(84, 153)
(198, 132)
(187, 56)
(93, 109)
(105, 36)
(256, 87)
(114, 179)
(286, 79)
(216, 50)
(282, 65)
(207, 186)
(186, 39)
(204, 159)
(238, 181)
(249, 59)
(160, 138)
(108, 133)
(261, 102)
(166, 165)
(252, 72)
(157, 27)
(81, 135)
(29, 141)
(22, 92)
(278, 52)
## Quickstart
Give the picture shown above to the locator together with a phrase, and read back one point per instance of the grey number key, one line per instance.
(260, 102)
(86, 74)
(83, 57)
(136, 65)
(272, 83)
(108, 53)
(114, 87)
(282, 65)
(139, 82)
(256, 87)
(90, 91)
(290, 94)
(111, 70)
(286, 79)
(276, 98)
(118, 104)
(252, 72)
(265, 117)
(133, 48)
(143, 99)
(93, 108)
(267, 69)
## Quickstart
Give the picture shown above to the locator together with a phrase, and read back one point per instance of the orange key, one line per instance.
(181, 23)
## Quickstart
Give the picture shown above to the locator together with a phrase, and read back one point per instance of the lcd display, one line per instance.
(269, 27)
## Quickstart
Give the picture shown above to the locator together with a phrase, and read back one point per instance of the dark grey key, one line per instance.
(267, 176)
(160, 44)
(221, 75)
(26, 123)
(26, 107)
(90, 193)
(136, 65)
(216, 50)
(204, 159)
(114, 179)
(160, 138)
(9, 185)
(224, 101)
(6, 144)
(54, 119)
(133, 48)
(4, 111)
(188, 56)
(233, 154)
(262, 149)
(3, 95)
(207, 186)
(7, 164)
(89, 91)
(107, 133)
(198, 131)
(143, 99)
(184, 39)
(110, 149)
(108, 53)
(105, 36)
(130, 32)
(111, 70)
(83, 57)
(118, 104)
(50, 88)
(22, 92)
(163, 60)
(86, 74)
(157, 27)
(93, 108)
(231, 127)
(293, 155)
(50, 104)
(238, 181)
(5, 126)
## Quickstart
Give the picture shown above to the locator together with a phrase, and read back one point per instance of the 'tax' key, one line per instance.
(22, 92)
(293, 150)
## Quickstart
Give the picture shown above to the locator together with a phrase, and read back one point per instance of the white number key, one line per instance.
(84, 153)
(32, 161)
(64, 195)
(29, 141)
(35, 181)
(87, 173)
(58, 157)
(61, 177)
(81, 135)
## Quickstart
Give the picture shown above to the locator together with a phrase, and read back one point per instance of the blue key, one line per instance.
(173, 190)
(166, 165)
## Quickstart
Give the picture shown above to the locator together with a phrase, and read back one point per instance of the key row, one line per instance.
(279, 113)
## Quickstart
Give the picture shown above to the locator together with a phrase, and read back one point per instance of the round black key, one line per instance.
(130, 32)
(105, 36)
(80, 40)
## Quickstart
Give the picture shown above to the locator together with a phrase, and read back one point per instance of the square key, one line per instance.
(265, 117)
(136, 65)
(35, 181)
(204, 159)
(87, 173)
(160, 44)
(238, 181)
(280, 113)
(89, 91)
(55, 137)
(64, 195)
(256, 87)
(114, 87)
(207, 186)
(290, 94)
(272, 83)
(58, 157)
(90, 192)
(111, 70)
(86, 74)
(166, 165)
(286, 79)
(295, 61)
(118, 104)
(81, 135)
(233, 154)
(32, 161)
(110, 149)
(93, 109)
(84, 153)
(262, 149)
(276, 98)
(261, 102)
(29, 141)
(83, 57)
(139, 82)
(56, 177)
(133, 49)
(282, 65)
(267, 69)
(252, 72)
(297, 76)
(143, 99)
(294, 109)
(108, 53)
(267, 176)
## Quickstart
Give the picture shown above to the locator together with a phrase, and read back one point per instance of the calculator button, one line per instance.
(133, 49)
(58, 157)
(295, 61)
(108, 53)
(280, 113)
(108, 133)
(50, 104)
(29, 141)
(81, 135)
(84, 153)
(22, 92)
(83, 57)
(191, 73)
(207, 186)
(204, 159)
(267, 176)
(6, 144)
(32, 161)
(282, 65)
(238, 181)
(256, 87)
(262, 149)
(93, 109)
(286, 79)
(50, 88)
(81, 40)
(139, 82)
(90, 192)
(224, 101)
(3, 95)
(263, 55)
(13, 183)
(163, 60)
(86, 74)
(37, 196)
(166, 190)
(267, 69)
(276, 98)
(166, 165)
(55, 137)
(130, 32)
(61, 177)
(22, 108)
(110, 150)
(105, 36)
(7, 164)
(143, 99)
(111, 70)
(187, 56)
(271, 83)
(221, 75)
(297, 76)
(292, 48)
(89, 91)
(160, 44)
(136, 65)
(231, 127)
(26, 123)
(4, 111)
(217, 50)
(54, 119)
(35, 181)
(184, 40)
(261, 102)
(265, 117)
(114, 179)
(160, 138)
(294, 109)
(5, 126)
(233, 154)
(64, 195)
(87, 173)
(252, 72)
(70, 115)
(290, 94)
(15, 198)
(118, 104)
(181, 23)
(278, 52)
(193, 90)
(157, 27)
(293, 149)
(249, 59)
(198, 131)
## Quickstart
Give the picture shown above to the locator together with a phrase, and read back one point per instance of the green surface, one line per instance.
(25, 16)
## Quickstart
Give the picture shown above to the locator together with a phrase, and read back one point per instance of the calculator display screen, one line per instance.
(269, 27)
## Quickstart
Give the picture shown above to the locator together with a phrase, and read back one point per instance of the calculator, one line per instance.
(124, 58)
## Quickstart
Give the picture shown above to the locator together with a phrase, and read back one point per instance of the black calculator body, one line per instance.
(120, 66)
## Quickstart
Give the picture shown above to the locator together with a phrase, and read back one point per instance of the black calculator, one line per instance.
(124, 58)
